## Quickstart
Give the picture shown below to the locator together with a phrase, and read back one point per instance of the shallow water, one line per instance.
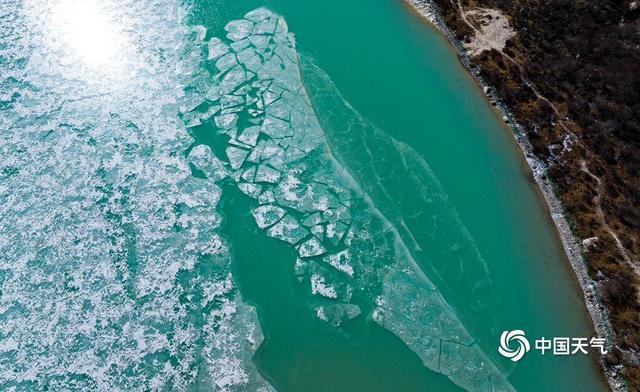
(344, 191)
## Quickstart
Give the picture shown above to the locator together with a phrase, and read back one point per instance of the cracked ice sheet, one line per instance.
(311, 202)
(107, 241)
(397, 178)
(434, 332)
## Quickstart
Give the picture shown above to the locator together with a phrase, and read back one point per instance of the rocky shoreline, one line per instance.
(573, 250)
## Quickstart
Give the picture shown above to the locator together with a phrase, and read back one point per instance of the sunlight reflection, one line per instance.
(88, 32)
(88, 38)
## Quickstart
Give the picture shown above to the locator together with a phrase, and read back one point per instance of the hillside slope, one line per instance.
(569, 71)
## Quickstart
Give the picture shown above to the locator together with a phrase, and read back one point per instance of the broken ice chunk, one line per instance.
(193, 122)
(236, 156)
(334, 282)
(228, 101)
(226, 62)
(335, 231)
(260, 41)
(271, 95)
(288, 229)
(313, 219)
(239, 46)
(291, 189)
(318, 231)
(248, 174)
(281, 28)
(319, 287)
(341, 262)
(276, 128)
(249, 189)
(246, 54)
(280, 109)
(238, 29)
(232, 79)
(199, 32)
(266, 197)
(265, 26)
(348, 239)
(267, 215)
(213, 93)
(258, 14)
(253, 63)
(343, 213)
(250, 135)
(216, 49)
(311, 248)
(203, 159)
(209, 112)
(336, 314)
(321, 201)
(264, 150)
(272, 69)
(267, 174)
(226, 121)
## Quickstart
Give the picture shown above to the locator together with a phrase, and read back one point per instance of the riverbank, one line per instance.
(570, 242)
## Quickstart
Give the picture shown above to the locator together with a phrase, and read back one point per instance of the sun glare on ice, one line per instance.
(88, 32)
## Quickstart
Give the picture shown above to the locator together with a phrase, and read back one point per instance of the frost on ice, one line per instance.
(268, 215)
(113, 275)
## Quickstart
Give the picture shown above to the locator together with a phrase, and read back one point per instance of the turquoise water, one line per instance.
(343, 192)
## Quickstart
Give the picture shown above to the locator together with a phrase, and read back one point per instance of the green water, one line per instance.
(231, 208)
(400, 75)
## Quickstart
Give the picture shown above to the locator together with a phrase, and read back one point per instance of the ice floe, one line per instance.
(303, 196)
(267, 215)
(113, 274)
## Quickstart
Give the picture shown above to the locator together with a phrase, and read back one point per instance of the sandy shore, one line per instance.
(570, 243)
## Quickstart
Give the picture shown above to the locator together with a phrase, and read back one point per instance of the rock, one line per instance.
(589, 243)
